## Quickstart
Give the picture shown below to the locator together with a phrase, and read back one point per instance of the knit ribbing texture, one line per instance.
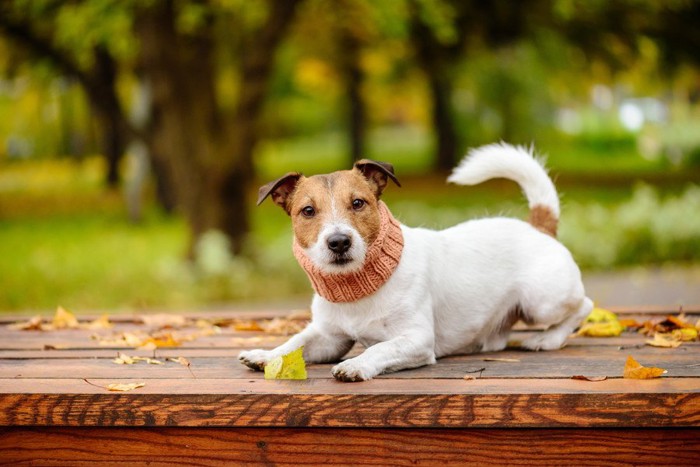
(381, 260)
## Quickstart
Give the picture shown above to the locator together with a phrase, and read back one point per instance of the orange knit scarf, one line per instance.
(382, 258)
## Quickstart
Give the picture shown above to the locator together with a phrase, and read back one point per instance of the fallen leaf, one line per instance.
(589, 378)
(34, 324)
(634, 370)
(100, 323)
(600, 315)
(289, 366)
(469, 377)
(664, 340)
(181, 360)
(164, 320)
(601, 329)
(686, 334)
(630, 323)
(247, 325)
(601, 323)
(124, 386)
(64, 319)
(124, 359)
(506, 360)
(160, 340)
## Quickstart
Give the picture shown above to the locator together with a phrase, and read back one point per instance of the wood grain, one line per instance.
(333, 446)
(383, 408)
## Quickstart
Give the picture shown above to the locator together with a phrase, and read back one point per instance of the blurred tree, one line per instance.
(205, 149)
(35, 27)
(201, 143)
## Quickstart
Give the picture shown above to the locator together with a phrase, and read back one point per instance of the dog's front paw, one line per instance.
(351, 371)
(255, 359)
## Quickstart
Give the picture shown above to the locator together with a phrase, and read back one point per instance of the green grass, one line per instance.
(64, 240)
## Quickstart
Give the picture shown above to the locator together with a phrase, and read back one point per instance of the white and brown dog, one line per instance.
(411, 295)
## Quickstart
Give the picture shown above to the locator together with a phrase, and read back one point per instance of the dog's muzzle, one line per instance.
(339, 244)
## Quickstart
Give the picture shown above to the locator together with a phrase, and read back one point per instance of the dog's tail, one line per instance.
(518, 164)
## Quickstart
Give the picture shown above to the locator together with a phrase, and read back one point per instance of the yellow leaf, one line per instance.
(686, 334)
(100, 323)
(634, 370)
(664, 340)
(600, 315)
(290, 366)
(124, 386)
(247, 325)
(64, 319)
(162, 340)
(601, 329)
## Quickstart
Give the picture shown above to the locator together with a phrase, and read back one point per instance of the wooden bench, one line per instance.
(55, 409)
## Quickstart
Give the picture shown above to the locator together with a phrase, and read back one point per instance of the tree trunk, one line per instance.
(205, 157)
(354, 77)
(432, 58)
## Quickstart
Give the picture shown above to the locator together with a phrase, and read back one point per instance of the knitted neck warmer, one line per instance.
(382, 257)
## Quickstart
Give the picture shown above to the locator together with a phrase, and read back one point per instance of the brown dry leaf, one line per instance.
(589, 378)
(664, 340)
(283, 326)
(630, 323)
(634, 370)
(469, 377)
(34, 324)
(506, 360)
(160, 340)
(64, 319)
(124, 386)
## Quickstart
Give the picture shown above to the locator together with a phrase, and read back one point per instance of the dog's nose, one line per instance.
(339, 243)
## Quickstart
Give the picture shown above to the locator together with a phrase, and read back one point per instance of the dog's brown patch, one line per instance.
(542, 218)
(331, 196)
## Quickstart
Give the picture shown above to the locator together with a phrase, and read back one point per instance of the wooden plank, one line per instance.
(378, 403)
(560, 364)
(337, 446)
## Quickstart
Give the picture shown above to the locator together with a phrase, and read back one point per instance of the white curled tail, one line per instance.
(520, 165)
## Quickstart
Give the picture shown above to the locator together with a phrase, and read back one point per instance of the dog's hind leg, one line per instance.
(555, 336)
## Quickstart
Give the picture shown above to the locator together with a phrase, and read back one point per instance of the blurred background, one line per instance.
(134, 135)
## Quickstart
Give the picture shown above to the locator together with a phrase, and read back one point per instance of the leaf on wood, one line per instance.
(100, 323)
(289, 366)
(159, 340)
(181, 360)
(164, 320)
(34, 324)
(601, 323)
(601, 329)
(630, 323)
(505, 360)
(670, 341)
(124, 386)
(283, 326)
(686, 334)
(64, 319)
(124, 359)
(247, 325)
(589, 378)
(600, 315)
(634, 370)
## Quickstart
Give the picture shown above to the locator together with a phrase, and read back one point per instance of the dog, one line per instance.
(413, 295)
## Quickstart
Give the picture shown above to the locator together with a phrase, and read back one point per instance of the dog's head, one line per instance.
(335, 217)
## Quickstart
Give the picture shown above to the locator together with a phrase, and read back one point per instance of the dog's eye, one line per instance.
(357, 204)
(308, 211)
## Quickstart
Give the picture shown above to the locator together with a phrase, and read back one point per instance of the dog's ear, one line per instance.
(377, 173)
(280, 189)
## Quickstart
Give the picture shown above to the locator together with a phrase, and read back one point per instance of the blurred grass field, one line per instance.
(65, 240)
